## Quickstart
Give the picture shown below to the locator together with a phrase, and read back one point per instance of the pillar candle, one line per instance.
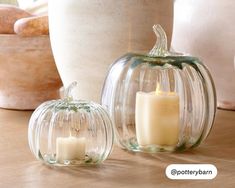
(70, 148)
(157, 118)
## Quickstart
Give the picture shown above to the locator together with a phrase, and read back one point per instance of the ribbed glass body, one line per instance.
(70, 132)
(161, 101)
(183, 76)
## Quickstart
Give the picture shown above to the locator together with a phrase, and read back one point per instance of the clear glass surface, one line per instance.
(70, 132)
(183, 76)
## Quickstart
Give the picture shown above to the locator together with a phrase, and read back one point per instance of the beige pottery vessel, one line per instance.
(88, 36)
(28, 74)
(206, 29)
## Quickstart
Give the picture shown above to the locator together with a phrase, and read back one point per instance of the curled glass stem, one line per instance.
(68, 91)
(160, 48)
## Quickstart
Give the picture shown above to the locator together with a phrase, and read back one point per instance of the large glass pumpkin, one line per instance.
(161, 101)
(70, 132)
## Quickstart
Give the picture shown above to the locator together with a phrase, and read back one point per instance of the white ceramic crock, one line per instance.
(89, 35)
(206, 29)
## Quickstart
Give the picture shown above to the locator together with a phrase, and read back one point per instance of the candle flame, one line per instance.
(159, 92)
(158, 89)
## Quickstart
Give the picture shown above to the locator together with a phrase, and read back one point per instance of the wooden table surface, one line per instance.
(18, 167)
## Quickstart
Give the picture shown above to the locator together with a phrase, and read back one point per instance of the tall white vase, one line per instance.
(89, 35)
(206, 29)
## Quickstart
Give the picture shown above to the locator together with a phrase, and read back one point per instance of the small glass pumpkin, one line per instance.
(162, 101)
(68, 132)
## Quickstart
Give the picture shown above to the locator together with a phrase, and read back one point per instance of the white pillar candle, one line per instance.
(70, 148)
(157, 118)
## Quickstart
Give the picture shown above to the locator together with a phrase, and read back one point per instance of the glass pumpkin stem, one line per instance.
(160, 48)
(68, 91)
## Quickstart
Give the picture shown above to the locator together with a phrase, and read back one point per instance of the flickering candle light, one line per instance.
(157, 118)
(70, 148)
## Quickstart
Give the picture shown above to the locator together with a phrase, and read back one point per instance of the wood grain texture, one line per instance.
(8, 16)
(122, 169)
(28, 72)
(32, 26)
